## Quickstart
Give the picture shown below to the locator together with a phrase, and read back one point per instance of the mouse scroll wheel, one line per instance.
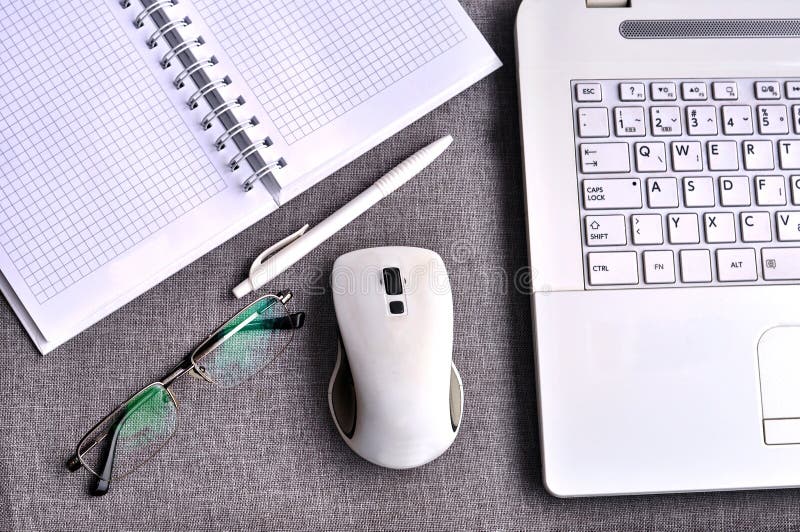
(392, 281)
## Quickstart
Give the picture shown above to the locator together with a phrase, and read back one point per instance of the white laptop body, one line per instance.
(651, 380)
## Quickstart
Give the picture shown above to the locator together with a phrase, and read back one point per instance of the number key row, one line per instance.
(666, 121)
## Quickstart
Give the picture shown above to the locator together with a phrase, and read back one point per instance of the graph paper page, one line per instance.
(104, 188)
(336, 77)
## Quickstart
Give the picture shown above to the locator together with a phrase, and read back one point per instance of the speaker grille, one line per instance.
(710, 28)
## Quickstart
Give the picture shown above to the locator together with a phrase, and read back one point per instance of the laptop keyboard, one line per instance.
(688, 182)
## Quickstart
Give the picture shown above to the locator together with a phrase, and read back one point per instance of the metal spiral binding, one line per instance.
(172, 53)
(247, 151)
(209, 87)
(194, 99)
(235, 130)
(180, 79)
(208, 120)
(261, 172)
(138, 22)
(152, 42)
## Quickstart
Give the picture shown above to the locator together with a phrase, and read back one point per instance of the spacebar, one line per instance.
(781, 264)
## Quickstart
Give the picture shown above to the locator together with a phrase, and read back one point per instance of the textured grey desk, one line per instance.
(267, 456)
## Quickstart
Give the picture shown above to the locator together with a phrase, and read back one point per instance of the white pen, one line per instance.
(294, 247)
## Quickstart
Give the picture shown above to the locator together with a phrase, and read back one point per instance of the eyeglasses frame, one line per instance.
(189, 364)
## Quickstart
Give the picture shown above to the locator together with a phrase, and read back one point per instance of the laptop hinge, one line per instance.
(608, 3)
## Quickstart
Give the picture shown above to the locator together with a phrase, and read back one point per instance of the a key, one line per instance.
(796, 118)
(795, 181)
(650, 156)
(646, 229)
(612, 194)
(663, 91)
(607, 230)
(723, 155)
(631, 92)
(687, 157)
(613, 268)
(694, 90)
(701, 120)
(736, 265)
(720, 227)
(698, 191)
(662, 192)
(629, 121)
(770, 190)
(588, 92)
(592, 122)
(605, 158)
(772, 120)
(659, 267)
(788, 224)
(789, 154)
(734, 191)
(793, 90)
(758, 155)
(781, 264)
(768, 90)
(756, 227)
(695, 265)
(737, 120)
(683, 229)
(725, 90)
(666, 121)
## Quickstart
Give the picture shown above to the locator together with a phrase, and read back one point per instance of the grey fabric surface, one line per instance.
(267, 455)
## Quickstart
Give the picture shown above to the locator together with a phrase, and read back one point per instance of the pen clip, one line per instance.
(274, 249)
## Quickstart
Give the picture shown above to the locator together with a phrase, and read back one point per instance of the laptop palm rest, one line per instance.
(645, 391)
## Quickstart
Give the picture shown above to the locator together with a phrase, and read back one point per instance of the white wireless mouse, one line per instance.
(395, 395)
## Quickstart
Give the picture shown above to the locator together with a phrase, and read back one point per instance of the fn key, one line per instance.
(613, 268)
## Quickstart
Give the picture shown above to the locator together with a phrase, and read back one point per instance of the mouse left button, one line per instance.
(392, 281)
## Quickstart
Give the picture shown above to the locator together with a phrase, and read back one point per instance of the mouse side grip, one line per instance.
(343, 395)
(456, 398)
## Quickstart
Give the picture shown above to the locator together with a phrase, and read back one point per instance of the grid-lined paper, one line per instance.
(95, 157)
(315, 60)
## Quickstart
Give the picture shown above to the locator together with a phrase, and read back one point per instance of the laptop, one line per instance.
(662, 168)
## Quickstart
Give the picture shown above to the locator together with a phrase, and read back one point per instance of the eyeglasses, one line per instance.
(136, 430)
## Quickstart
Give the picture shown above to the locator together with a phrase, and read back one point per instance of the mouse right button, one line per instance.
(779, 370)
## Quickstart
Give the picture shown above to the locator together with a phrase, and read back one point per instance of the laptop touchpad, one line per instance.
(779, 369)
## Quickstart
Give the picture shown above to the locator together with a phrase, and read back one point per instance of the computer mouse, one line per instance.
(395, 394)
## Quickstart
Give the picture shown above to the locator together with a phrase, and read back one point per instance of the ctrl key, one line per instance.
(613, 268)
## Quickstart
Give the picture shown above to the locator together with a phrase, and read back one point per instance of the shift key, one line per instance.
(605, 158)
(612, 193)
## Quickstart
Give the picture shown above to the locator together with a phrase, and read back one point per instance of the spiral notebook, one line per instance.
(140, 134)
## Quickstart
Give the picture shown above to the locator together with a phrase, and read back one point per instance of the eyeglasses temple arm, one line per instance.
(104, 482)
(292, 321)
